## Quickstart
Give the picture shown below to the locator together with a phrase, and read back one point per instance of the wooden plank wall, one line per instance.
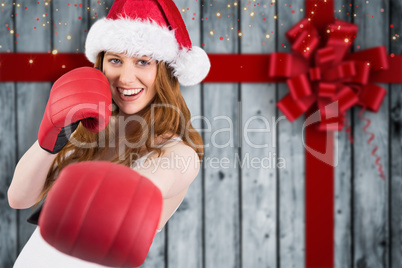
(234, 215)
(395, 147)
(220, 107)
(8, 152)
(31, 97)
(290, 204)
(258, 185)
(370, 194)
(343, 176)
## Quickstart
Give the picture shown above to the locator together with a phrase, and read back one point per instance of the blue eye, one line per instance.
(144, 62)
(114, 61)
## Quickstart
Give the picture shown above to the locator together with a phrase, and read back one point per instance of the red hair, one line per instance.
(164, 121)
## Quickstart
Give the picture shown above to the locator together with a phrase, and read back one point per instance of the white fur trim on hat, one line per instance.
(147, 38)
(131, 37)
(191, 66)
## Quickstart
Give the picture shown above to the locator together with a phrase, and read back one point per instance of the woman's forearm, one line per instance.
(29, 177)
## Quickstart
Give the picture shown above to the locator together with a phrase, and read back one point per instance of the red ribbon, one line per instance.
(38, 67)
(318, 74)
(225, 68)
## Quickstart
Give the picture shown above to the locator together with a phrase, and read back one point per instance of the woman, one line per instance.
(144, 50)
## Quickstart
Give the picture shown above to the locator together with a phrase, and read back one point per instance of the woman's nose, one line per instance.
(128, 74)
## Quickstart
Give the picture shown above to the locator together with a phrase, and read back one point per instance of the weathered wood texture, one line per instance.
(258, 145)
(395, 145)
(8, 145)
(290, 179)
(221, 112)
(8, 220)
(343, 175)
(31, 97)
(370, 194)
(235, 214)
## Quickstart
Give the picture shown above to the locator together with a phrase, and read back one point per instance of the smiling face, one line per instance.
(132, 81)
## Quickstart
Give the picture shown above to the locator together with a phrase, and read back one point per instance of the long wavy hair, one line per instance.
(166, 116)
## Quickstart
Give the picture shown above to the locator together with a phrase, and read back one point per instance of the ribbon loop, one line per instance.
(293, 109)
(306, 44)
(304, 25)
(326, 90)
(372, 96)
(299, 87)
(315, 74)
(341, 37)
(344, 70)
(362, 73)
(347, 98)
(376, 57)
(325, 57)
(332, 76)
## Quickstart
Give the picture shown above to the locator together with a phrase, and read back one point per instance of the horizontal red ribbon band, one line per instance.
(225, 68)
(38, 67)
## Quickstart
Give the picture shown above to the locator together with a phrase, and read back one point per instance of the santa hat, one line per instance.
(151, 28)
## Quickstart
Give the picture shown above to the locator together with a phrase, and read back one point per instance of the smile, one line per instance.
(129, 92)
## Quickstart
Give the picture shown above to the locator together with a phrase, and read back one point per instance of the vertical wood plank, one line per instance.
(8, 145)
(258, 148)
(291, 179)
(222, 240)
(34, 36)
(70, 18)
(98, 10)
(395, 95)
(371, 247)
(8, 219)
(343, 175)
(184, 229)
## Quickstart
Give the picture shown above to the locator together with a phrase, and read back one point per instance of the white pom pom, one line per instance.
(191, 66)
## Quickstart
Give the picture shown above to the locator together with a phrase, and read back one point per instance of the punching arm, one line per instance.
(81, 95)
(29, 177)
(102, 212)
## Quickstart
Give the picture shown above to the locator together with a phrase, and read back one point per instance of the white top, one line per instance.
(37, 253)
(140, 161)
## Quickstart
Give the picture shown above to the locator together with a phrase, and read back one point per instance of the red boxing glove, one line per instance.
(102, 212)
(82, 94)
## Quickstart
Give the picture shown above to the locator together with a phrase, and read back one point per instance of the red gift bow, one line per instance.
(319, 75)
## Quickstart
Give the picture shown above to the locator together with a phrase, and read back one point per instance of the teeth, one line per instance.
(129, 92)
